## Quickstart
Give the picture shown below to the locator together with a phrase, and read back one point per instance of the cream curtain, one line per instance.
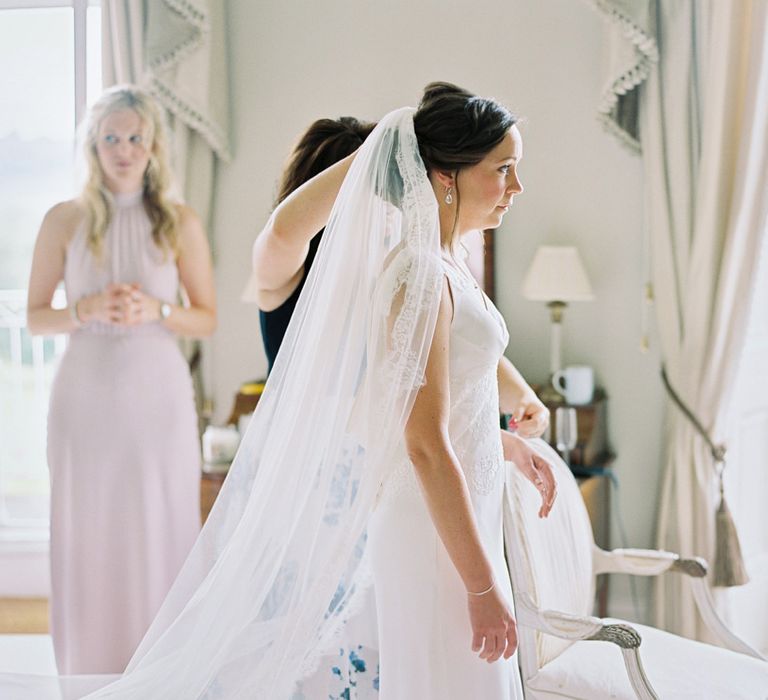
(176, 49)
(702, 124)
(633, 52)
(122, 29)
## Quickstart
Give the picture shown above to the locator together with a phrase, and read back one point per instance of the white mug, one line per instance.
(220, 444)
(576, 384)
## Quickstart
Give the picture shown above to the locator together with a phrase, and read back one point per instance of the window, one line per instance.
(51, 53)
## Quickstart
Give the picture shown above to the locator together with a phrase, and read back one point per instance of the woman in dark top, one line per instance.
(326, 142)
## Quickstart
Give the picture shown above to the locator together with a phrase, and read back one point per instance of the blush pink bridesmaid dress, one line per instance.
(124, 457)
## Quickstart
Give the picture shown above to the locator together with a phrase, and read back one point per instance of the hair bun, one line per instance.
(439, 89)
(455, 128)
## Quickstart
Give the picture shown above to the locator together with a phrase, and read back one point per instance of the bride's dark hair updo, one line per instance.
(456, 129)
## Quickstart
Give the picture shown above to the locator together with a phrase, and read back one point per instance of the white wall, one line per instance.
(292, 62)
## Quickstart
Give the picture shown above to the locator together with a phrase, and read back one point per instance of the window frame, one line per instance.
(80, 8)
(28, 535)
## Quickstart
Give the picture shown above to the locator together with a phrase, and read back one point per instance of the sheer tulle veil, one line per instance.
(281, 559)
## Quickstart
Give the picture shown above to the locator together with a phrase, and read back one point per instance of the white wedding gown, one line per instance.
(424, 630)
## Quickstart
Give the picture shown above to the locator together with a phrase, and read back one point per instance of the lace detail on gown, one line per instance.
(479, 449)
(401, 482)
(478, 338)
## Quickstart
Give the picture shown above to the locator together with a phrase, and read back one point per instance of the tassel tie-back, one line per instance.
(729, 563)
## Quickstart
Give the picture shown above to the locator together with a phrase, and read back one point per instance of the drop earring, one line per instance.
(449, 195)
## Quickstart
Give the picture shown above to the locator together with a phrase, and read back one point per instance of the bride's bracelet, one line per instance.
(487, 590)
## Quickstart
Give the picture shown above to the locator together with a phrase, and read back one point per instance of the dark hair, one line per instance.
(324, 143)
(456, 129)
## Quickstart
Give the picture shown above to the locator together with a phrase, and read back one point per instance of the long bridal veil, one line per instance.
(277, 567)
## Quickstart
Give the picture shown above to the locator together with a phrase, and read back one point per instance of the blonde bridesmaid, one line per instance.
(122, 432)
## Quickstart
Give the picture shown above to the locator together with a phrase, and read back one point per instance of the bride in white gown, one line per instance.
(425, 625)
(442, 590)
(375, 449)
(472, 150)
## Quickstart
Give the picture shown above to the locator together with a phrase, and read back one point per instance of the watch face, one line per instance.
(165, 310)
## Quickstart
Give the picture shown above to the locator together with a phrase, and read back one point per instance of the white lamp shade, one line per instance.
(557, 274)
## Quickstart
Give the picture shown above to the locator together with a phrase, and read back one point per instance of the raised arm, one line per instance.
(281, 248)
(445, 490)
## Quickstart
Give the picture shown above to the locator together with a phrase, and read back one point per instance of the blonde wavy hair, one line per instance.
(96, 197)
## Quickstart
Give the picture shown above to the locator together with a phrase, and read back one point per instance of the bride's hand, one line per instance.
(494, 630)
(531, 416)
(534, 467)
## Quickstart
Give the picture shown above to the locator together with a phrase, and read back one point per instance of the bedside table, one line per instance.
(589, 461)
(246, 400)
(211, 481)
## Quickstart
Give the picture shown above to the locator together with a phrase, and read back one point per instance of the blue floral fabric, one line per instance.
(354, 675)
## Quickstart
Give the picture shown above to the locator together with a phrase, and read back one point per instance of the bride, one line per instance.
(375, 454)
(279, 253)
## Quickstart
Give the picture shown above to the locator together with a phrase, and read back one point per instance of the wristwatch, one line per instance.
(165, 310)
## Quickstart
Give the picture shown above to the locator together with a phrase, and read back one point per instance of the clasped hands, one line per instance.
(120, 305)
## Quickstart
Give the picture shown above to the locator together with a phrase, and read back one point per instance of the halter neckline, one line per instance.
(127, 199)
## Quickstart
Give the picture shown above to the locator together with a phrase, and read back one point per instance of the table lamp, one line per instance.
(556, 276)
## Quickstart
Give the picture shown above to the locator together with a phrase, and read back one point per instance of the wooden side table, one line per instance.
(595, 490)
(210, 485)
(246, 400)
(590, 462)
(213, 476)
